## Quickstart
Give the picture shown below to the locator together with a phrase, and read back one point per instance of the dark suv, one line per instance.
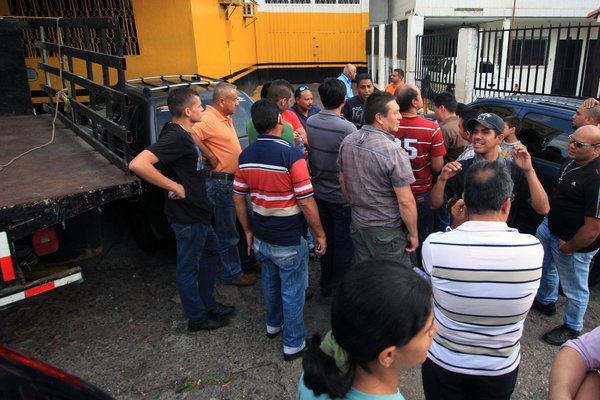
(147, 114)
(546, 123)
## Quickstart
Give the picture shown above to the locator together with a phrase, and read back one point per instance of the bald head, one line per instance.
(350, 71)
(409, 98)
(588, 134)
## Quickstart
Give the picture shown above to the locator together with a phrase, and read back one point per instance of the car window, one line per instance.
(501, 111)
(546, 136)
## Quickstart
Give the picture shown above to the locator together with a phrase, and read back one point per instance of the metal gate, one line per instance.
(435, 66)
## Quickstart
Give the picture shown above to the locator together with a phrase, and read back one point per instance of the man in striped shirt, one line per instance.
(276, 177)
(423, 141)
(484, 277)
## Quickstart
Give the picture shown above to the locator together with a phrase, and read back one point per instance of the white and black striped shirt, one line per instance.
(484, 276)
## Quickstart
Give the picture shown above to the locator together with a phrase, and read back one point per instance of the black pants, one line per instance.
(441, 384)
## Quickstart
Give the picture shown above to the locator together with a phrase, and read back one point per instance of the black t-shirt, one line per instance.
(575, 196)
(353, 111)
(181, 161)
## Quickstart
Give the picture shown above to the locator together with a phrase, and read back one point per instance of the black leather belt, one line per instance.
(219, 175)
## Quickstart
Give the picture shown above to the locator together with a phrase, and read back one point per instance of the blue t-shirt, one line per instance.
(305, 393)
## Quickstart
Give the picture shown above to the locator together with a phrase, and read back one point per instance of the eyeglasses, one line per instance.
(580, 145)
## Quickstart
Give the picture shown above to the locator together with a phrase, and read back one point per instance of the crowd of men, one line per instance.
(367, 177)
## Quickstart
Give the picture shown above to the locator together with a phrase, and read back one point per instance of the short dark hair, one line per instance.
(363, 327)
(362, 77)
(265, 115)
(377, 103)
(332, 93)
(264, 91)
(280, 89)
(513, 122)
(399, 71)
(447, 100)
(487, 185)
(408, 94)
(179, 99)
(467, 114)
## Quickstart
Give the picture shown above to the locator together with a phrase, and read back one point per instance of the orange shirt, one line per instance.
(218, 134)
(391, 88)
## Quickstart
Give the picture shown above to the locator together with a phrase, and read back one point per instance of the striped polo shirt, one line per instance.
(275, 176)
(484, 277)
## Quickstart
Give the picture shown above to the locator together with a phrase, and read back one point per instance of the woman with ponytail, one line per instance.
(381, 323)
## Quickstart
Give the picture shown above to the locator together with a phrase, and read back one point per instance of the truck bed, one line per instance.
(56, 182)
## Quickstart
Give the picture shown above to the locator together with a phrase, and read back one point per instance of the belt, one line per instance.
(219, 175)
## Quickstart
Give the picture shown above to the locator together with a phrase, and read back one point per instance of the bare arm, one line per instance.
(567, 374)
(311, 213)
(343, 186)
(436, 197)
(539, 198)
(302, 133)
(437, 163)
(241, 210)
(408, 212)
(583, 237)
(143, 166)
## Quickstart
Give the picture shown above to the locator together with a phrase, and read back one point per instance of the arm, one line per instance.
(408, 212)
(143, 166)
(583, 237)
(211, 159)
(437, 163)
(343, 186)
(302, 133)
(436, 197)
(311, 213)
(567, 373)
(539, 198)
(241, 210)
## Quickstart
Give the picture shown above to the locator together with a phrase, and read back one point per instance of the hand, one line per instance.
(561, 245)
(450, 170)
(321, 246)
(521, 157)
(177, 193)
(298, 138)
(590, 103)
(412, 242)
(459, 213)
(250, 241)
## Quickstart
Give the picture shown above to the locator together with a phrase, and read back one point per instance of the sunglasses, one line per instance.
(300, 90)
(580, 145)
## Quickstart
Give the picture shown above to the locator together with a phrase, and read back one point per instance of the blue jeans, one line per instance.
(284, 281)
(336, 220)
(196, 267)
(220, 193)
(571, 270)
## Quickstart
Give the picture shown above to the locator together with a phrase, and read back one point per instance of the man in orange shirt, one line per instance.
(216, 137)
(397, 80)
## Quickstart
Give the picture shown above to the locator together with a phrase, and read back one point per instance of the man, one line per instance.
(375, 177)
(276, 177)
(466, 114)
(422, 140)
(326, 130)
(220, 145)
(348, 74)
(444, 109)
(512, 125)
(304, 107)
(353, 109)
(588, 113)
(396, 81)
(188, 209)
(570, 234)
(484, 276)
(487, 133)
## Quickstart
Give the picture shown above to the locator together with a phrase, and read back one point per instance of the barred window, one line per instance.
(277, 1)
(300, 1)
(123, 9)
(325, 1)
(348, 1)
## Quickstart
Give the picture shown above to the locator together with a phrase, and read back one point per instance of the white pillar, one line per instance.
(416, 24)
(372, 55)
(394, 45)
(381, 58)
(466, 61)
(505, 40)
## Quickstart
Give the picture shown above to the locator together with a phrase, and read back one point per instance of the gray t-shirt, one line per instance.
(374, 163)
(325, 131)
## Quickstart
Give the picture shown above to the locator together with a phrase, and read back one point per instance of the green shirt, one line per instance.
(288, 133)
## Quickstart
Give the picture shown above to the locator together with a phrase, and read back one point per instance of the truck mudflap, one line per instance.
(12, 288)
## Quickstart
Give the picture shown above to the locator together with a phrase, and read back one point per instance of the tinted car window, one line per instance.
(501, 111)
(545, 136)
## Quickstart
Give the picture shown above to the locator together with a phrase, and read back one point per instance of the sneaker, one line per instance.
(219, 310)
(245, 280)
(294, 356)
(274, 334)
(560, 335)
(208, 323)
(546, 309)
